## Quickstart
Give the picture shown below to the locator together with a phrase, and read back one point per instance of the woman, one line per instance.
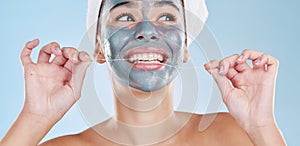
(143, 42)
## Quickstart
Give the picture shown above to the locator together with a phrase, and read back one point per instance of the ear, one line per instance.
(186, 55)
(98, 53)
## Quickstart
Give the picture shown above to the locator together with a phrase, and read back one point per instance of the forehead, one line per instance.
(111, 4)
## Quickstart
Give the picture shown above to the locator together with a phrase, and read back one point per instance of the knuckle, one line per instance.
(264, 57)
(245, 51)
(235, 55)
(272, 59)
(249, 51)
(28, 42)
(228, 59)
(21, 58)
(223, 62)
(84, 53)
(21, 55)
(70, 49)
(214, 61)
(54, 44)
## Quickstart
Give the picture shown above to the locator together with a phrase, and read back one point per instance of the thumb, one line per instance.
(78, 73)
(222, 81)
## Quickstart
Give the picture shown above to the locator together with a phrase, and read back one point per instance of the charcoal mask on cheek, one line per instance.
(143, 54)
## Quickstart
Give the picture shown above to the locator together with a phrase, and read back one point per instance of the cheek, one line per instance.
(117, 39)
(176, 39)
(174, 35)
(176, 42)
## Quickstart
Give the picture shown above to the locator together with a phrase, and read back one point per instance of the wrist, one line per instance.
(36, 119)
(266, 135)
(29, 129)
(40, 116)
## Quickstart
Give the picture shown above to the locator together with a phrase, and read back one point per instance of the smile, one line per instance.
(146, 58)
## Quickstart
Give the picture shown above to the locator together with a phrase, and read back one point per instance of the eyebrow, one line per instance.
(162, 3)
(127, 4)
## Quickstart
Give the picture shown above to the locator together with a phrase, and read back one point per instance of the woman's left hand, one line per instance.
(248, 91)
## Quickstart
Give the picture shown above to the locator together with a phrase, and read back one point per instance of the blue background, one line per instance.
(271, 26)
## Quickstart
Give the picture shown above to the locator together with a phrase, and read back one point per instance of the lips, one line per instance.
(146, 58)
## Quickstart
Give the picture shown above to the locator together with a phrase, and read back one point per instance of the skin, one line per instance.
(248, 93)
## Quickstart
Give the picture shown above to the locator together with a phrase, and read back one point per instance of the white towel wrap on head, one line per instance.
(195, 11)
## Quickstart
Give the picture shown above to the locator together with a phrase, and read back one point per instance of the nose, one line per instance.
(146, 31)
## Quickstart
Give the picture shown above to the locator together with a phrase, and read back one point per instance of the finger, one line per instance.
(46, 51)
(60, 60)
(223, 83)
(266, 62)
(70, 53)
(231, 73)
(79, 71)
(249, 55)
(71, 56)
(69, 65)
(213, 64)
(228, 62)
(25, 54)
(84, 57)
(257, 63)
(242, 66)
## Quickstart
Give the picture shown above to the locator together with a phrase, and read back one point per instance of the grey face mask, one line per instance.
(143, 41)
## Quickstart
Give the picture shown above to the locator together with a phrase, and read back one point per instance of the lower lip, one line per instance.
(147, 66)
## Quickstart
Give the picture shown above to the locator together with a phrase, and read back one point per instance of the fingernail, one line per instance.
(58, 50)
(240, 58)
(75, 57)
(222, 70)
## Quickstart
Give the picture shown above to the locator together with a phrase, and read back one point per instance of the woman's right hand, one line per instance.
(52, 87)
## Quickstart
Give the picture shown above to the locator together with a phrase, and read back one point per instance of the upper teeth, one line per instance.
(146, 57)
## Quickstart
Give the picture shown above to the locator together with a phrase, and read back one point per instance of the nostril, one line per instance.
(140, 37)
(153, 38)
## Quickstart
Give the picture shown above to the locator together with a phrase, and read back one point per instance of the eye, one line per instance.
(125, 18)
(167, 17)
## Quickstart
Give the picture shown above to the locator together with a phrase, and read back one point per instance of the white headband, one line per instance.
(195, 11)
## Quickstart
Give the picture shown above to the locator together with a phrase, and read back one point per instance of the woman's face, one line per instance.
(143, 41)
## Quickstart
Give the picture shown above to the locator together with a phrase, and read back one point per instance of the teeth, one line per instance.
(149, 57)
(145, 57)
(146, 62)
(160, 58)
(131, 59)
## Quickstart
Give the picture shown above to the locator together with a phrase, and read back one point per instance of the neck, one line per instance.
(135, 107)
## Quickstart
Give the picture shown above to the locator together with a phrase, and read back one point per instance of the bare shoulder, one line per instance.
(220, 128)
(85, 138)
(64, 140)
(223, 131)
